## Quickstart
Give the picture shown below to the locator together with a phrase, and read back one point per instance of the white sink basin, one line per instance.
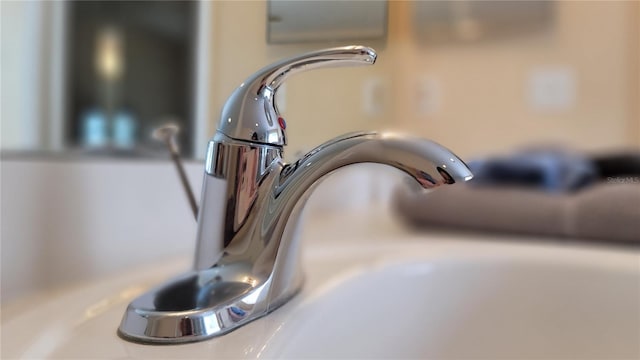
(535, 306)
(446, 297)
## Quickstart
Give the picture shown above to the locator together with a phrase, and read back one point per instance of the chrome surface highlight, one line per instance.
(247, 260)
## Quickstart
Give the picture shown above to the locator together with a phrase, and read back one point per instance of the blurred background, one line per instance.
(85, 82)
(478, 76)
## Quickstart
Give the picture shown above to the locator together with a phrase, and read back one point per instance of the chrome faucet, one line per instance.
(247, 262)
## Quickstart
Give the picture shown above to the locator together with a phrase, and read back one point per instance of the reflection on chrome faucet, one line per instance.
(247, 262)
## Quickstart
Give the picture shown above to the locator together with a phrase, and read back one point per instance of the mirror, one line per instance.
(294, 21)
(130, 72)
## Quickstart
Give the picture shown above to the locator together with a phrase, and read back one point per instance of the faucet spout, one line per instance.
(430, 164)
(264, 196)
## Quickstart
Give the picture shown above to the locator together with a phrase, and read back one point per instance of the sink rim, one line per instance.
(326, 265)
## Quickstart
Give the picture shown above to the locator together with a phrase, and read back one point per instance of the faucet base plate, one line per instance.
(196, 306)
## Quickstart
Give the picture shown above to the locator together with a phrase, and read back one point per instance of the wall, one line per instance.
(635, 63)
(483, 84)
(21, 24)
(33, 75)
(65, 222)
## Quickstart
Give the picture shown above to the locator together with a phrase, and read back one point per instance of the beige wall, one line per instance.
(635, 68)
(483, 85)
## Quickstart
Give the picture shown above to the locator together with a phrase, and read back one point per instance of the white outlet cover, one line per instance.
(552, 89)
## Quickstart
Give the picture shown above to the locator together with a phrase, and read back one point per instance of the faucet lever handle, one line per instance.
(250, 113)
(274, 75)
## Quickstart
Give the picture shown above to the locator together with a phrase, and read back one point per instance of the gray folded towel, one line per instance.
(606, 211)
